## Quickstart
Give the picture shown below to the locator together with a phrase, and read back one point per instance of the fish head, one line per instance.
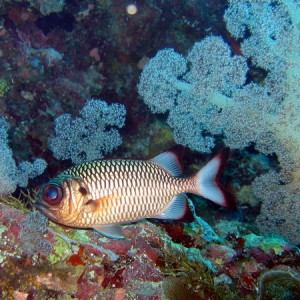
(62, 199)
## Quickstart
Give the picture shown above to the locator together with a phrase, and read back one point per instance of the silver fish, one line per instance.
(103, 194)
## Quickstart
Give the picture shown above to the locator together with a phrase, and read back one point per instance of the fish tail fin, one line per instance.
(208, 184)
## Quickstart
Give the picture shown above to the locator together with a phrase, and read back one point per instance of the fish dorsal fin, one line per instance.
(171, 160)
(176, 210)
(113, 231)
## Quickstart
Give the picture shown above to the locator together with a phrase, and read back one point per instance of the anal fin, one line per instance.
(176, 210)
(113, 231)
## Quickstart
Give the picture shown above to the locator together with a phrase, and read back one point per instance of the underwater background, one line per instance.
(83, 80)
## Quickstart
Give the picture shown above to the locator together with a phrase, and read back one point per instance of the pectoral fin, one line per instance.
(113, 231)
(101, 203)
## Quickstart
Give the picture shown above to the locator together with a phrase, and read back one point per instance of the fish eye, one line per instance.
(52, 194)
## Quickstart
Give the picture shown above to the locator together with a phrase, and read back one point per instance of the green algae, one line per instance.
(62, 250)
(267, 244)
(4, 87)
(2, 255)
(189, 276)
(2, 229)
(23, 202)
(80, 235)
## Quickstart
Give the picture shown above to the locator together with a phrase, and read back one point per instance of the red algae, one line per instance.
(76, 259)
(114, 280)
(176, 232)
(120, 247)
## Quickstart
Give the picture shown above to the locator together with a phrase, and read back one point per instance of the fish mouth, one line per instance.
(44, 209)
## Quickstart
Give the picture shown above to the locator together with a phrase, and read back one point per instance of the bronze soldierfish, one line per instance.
(103, 194)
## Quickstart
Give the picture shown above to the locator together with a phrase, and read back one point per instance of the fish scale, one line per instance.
(136, 183)
(103, 194)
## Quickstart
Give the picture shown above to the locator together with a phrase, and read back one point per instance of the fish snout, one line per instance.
(42, 207)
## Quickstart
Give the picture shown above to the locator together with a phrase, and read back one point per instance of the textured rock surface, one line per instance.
(155, 261)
